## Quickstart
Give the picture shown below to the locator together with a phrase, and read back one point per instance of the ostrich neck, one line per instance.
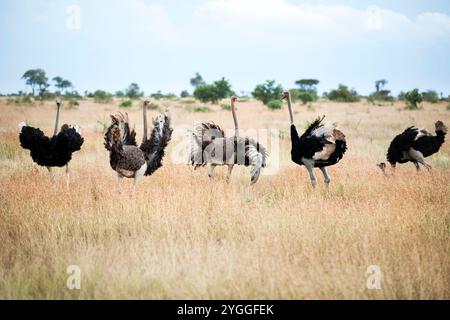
(290, 110)
(145, 123)
(57, 121)
(236, 126)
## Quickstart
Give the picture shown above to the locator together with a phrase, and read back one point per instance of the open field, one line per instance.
(182, 236)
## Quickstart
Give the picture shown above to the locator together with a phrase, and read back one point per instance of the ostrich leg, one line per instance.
(50, 174)
(417, 166)
(418, 156)
(309, 164)
(211, 168)
(138, 176)
(326, 177)
(230, 170)
(119, 177)
(67, 175)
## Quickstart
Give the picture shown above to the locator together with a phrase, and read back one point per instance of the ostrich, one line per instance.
(209, 146)
(414, 145)
(129, 160)
(55, 151)
(321, 145)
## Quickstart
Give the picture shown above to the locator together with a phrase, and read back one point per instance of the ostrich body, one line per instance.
(129, 160)
(320, 146)
(414, 145)
(55, 151)
(209, 146)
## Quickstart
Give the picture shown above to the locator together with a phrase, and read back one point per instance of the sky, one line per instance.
(160, 44)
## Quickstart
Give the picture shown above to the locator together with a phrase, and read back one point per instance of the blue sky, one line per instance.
(160, 44)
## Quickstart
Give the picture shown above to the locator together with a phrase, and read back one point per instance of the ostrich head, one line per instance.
(58, 102)
(286, 95)
(440, 126)
(233, 99)
(146, 103)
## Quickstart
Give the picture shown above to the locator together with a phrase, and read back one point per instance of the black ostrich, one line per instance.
(129, 160)
(209, 146)
(321, 145)
(414, 145)
(55, 151)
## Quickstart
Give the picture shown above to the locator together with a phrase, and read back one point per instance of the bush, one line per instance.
(402, 96)
(275, 104)
(133, 91)
(184, 94)
(202, 109)
(73, 103)
(213, 92)
(430, 96)
(226, 106)
(101, 96)
(126, 104)
(268, 91)
(413, 99)
(304, 96)
(21, 100)
(343, 94)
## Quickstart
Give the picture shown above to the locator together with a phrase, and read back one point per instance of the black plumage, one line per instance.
(414, 145)
(308, 145)
(55, 151)
(320, 146)
(129, 160)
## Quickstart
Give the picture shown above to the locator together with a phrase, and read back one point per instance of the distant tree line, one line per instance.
(269, 92)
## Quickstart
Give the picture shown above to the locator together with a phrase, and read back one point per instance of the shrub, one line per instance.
(202, 109)
(304, 96)
(268, 91)
(73, 103)
(343, 94)
(275, 104)
(126, 104)
(402, 96)
(119, 94)
(413, 99)
(226, 106)
(133, 91)
(213, 92)
(430, 96)
(101, 96)
(184, 94)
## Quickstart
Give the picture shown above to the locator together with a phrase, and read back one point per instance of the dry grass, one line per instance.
(183, 236)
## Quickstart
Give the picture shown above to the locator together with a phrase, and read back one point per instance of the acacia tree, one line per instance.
(62, 84)
(133, 91)
(36, 78)
(197, 80)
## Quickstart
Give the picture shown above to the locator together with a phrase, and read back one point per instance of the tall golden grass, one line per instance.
(182, 236)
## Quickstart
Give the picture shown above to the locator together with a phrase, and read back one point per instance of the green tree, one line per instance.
(36, 78)
(133, 91)
(184, 94)
(413, 99)
(343, 94)
(430, 96)
(197, 80)
(381, 94)
(308, 84)
(62, 84)
(268, 91)
(219, 90)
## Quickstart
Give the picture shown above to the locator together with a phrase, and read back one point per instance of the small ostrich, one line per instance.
(55, 151)
(321, 145)
(209, 146)
(129, 160)
(414, 145)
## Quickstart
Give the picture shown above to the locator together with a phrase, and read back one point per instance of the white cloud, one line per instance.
(252, 15)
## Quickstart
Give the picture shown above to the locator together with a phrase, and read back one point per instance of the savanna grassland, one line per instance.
(182, 236)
